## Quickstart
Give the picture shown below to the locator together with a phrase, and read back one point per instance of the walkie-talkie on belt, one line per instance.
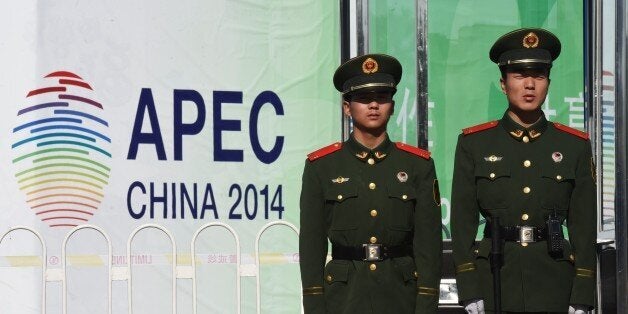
(554, 235)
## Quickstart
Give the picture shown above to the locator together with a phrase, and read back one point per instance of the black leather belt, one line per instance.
(370, 252)
(523, 234)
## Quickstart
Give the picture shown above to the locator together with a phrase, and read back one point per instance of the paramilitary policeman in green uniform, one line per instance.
(536, 176)
(376, 201)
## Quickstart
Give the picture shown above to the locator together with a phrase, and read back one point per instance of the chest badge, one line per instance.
(402, 176)
(340, 180)
(493, 158)
(557, 156)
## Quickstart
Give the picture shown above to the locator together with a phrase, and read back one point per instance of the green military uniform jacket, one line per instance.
(522, 175)
(352, 195)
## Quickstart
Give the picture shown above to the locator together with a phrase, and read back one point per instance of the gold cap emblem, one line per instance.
(369, 66)
(530, 40)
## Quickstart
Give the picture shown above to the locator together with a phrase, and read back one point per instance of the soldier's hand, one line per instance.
(577, 309)
(475, 307)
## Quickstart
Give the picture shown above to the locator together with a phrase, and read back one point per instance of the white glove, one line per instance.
(573, 310)
(476, 307)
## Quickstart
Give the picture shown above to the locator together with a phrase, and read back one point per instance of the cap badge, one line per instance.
(557, 156)
(530, 40)
(339, 180)
(493, 158)
(402, 176)
(370, 66)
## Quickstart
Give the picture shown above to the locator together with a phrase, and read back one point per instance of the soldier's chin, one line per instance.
(525, 109)
(531, 109)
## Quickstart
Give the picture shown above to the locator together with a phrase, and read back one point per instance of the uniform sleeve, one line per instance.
(312, 241)
(582, 229)
(464, 223)
(427, 244)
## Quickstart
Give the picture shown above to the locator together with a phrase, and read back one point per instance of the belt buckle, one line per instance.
(526, 234)
(372, 252)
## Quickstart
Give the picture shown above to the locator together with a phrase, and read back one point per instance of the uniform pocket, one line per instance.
(557, 184)
(407, 269)
(402, 192)
(402, 199)
(342, 198)
(399, 234)
(492, 182)
(337, 271)
(341, 192)
(336, 281)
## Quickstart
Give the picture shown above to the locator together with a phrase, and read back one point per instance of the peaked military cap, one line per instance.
(368, 73)
(526, 48)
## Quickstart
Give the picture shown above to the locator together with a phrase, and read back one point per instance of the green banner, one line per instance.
(392, 30)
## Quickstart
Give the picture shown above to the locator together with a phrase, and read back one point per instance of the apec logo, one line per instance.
(61, 150)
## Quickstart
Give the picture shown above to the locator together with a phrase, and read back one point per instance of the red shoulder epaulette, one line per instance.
(413, 150)
(324, 151)
(571, 131)
(479, 127)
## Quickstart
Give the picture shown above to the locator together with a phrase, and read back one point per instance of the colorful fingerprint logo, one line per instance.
(62, 150)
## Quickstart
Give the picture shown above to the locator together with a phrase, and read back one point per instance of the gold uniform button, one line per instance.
(339, 197)
(527, 163)
(416, 274)
(526, 190)
(525, 139)
(373, 240)
(405, 197)
(492, 175)
(373, 213)
(476, 251)
(525, 217)
(371, 161)
(559, 177)
(524, 244)
(372, 267)
(372, 186)
(329, 278)
(572, 258)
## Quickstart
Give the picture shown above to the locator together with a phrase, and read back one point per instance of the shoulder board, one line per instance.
(324, 151)
(571, 131)
(480, 127)
(413, 150)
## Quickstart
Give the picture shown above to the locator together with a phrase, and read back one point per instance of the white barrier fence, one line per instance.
(124, 273)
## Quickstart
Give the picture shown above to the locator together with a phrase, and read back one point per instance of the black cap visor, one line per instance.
(369, 83)
(525, 59)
